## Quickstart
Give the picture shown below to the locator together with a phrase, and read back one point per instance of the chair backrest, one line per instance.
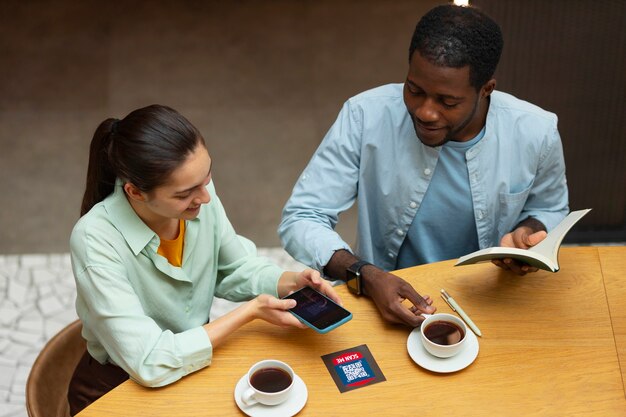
(49, 379)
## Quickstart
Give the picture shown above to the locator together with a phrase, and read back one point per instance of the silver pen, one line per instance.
(455, 307)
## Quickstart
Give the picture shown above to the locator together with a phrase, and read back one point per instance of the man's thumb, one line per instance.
(536, 237)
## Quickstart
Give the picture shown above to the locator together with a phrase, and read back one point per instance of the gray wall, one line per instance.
(568, 56)
(262, 80)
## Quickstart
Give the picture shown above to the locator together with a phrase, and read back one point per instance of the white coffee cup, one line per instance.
(442, 341)
(266, 380)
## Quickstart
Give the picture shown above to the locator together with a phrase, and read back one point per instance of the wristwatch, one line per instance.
(353, 277)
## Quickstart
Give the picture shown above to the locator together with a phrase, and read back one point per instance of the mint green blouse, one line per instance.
(145, 315)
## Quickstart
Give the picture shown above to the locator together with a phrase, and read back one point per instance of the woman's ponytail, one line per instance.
(100, 173)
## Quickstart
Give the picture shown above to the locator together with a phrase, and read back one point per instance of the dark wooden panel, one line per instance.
(569, 57)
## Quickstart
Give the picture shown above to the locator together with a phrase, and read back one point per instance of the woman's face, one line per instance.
(185, 191)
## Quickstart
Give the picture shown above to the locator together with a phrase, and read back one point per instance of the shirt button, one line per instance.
(187, 309)
(413, 204)
(480, 214)
(400, 232)
(390, 255)
(427, 171)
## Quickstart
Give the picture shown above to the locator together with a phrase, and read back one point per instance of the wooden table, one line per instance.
(551, 346)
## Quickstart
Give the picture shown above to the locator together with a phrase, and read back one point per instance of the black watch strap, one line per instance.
(353, 277)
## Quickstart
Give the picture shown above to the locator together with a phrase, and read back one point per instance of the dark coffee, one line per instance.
(444, 332)
(270, 379)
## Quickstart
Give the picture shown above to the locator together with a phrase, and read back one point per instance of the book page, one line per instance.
(549, 247)
(544, 255)
(498, 252)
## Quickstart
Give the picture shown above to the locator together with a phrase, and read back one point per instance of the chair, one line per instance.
(49, 379)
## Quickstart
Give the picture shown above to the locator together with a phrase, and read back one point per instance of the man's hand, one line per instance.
(388, 291)
(526, 235)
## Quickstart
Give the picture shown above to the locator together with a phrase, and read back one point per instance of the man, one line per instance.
(439, 166)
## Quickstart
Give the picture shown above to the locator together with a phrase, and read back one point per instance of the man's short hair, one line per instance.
(456, 36)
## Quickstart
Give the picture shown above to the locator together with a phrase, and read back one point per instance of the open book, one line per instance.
(543, 255)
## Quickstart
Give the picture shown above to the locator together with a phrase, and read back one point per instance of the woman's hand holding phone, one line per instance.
(293, 281)
(317, 311)
(280, 311)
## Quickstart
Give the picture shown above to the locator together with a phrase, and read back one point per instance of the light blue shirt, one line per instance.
(140, 312)
(447, 205)
(372, 155)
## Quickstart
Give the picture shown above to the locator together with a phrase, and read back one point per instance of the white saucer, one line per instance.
(427, 361)
(290, 407)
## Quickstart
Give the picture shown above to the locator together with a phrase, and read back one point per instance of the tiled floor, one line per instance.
(37, 300)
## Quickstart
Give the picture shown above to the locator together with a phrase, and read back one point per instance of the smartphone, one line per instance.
(318, 311)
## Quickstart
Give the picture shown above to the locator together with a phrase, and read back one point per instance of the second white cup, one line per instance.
(443, 335)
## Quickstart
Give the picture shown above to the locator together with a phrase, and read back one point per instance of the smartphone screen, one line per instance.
(318, 311)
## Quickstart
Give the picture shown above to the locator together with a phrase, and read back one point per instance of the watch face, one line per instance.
(353, 285)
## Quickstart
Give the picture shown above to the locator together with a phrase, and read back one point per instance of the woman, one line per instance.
(152, 249)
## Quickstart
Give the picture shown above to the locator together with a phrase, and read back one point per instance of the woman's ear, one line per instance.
(133, 192)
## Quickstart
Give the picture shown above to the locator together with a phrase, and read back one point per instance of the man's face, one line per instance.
(442, 103)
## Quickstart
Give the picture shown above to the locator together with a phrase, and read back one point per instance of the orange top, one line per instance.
(172, 250)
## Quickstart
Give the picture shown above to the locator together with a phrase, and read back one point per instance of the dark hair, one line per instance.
(143, 148)
(456, 36)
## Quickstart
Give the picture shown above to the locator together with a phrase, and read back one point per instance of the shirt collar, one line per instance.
(136, 233)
